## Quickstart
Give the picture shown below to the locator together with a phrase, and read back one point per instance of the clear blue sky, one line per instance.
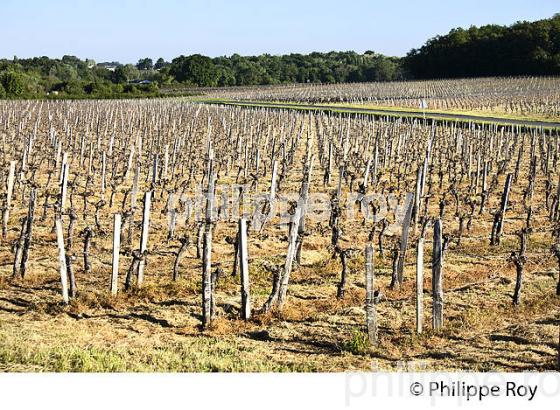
(125, 30)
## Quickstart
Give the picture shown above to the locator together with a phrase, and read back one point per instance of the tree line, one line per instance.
(266, 69)
(524, 48)
(72, 77)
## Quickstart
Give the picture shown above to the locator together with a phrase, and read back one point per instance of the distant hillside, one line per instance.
(524, 48)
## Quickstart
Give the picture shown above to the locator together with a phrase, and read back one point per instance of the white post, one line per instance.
(420, 285)
(134, 192)
(64, 162)
(130, 157)
(10, 190)
(165, 161)
(10, 187)
(116, 254)
(244, 270)
(62, 260)
(273, 182)
(103, 176)
(64, 185)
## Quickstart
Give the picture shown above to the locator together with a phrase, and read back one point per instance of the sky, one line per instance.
(126, 30)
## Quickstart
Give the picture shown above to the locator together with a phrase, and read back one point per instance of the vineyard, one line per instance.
(531, 97)
(169, 235)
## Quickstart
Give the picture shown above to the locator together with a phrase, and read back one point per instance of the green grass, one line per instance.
(399, 112)
(429, 111)
(201, 354)
(358, 343)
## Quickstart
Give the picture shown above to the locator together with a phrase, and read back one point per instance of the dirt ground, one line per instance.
(157, 327)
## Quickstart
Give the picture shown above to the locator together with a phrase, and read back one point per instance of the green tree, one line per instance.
(226, 77)
(14, 83)
(160, 63)
(145, 64)
(97, 89)
(195, 69)
(125, 73)
(73, 88)
(523, 48)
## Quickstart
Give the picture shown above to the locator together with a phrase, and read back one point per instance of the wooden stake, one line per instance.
(144, 235)
(437, 286)
(404, 238)
(371, 311)
(498, 227)
(63, 186)
(185, 242)
(289, 258)
(28, 232)
(71, 277)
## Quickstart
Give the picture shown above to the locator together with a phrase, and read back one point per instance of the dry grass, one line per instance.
(156, 328)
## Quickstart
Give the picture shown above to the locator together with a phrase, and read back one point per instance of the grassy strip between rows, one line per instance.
(386, 111)
(428, 111)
